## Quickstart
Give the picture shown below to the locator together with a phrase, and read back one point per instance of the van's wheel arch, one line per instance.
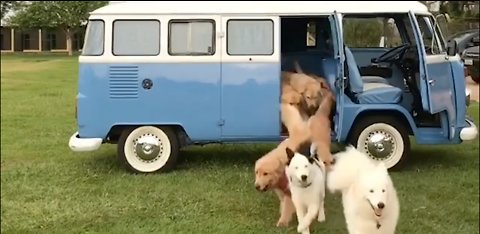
(384, 138)
(147, 149)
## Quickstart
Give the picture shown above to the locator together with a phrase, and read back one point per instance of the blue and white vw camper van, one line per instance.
(158, 76)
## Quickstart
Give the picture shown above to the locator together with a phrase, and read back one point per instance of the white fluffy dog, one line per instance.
(370, 202)
(307, 184)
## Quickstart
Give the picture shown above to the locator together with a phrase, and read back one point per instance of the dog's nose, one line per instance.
(304, 177)
(381, 205)
(257, 187)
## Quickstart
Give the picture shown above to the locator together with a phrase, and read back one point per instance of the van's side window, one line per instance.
(136, 37)
(250, 37)
(94, 40)
(191, 37)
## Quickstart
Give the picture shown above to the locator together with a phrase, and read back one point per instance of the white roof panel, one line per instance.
(260, 7)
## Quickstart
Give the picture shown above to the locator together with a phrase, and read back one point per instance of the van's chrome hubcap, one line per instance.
(148, 147)
(379, 145)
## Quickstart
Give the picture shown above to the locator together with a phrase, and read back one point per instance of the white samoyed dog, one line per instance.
(306, 178)
(369, 198)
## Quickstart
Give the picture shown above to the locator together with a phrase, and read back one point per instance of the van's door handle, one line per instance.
(431, 82)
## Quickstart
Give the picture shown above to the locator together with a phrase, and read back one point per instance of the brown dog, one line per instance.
(310, 86)
(320, 129)
(291, 97)
(301, 93)
(270, 172)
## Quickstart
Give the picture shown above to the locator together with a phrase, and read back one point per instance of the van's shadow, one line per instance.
(222, 154)
(232, 155)
(431, 157)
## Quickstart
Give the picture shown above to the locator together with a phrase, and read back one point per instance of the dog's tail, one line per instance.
(346, 169)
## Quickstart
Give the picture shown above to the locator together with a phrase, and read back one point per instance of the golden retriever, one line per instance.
(320, 129)
(270, 175)
(301, 94)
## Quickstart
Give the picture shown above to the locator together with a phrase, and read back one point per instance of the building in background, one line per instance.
(38, 40)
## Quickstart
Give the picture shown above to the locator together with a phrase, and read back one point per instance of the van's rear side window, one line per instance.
(191, 37)
(136, 37)
(94, 38)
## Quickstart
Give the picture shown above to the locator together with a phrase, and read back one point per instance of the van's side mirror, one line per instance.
(452, 47)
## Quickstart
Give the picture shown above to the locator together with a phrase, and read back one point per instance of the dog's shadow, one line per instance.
(223, 155)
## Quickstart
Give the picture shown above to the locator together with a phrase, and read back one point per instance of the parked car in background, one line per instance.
(471, 59)
(465, 39)
(467, 46)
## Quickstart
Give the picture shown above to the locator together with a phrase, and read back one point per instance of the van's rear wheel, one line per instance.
(148, 149)
(383, 138)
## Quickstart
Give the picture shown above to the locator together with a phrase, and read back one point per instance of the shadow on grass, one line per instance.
(428, 157)
(223, 154)
(192, 157)
(423, 157)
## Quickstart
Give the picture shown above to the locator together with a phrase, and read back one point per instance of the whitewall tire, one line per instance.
(383, 138)
(148, 149)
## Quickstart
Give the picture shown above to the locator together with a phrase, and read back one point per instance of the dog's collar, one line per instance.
(283, 185)
(373, 209)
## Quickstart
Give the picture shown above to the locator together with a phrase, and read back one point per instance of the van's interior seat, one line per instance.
(373, 92)
(374, 79)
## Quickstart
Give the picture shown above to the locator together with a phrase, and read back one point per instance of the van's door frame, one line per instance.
(337, 37)
(436, 79)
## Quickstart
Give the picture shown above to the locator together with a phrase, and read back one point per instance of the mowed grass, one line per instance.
(46, 188)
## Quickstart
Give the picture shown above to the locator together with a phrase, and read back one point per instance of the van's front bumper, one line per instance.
(470, 132)
(84, 144)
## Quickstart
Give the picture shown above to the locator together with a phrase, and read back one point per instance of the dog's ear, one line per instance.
(290, 155)
(311, 160)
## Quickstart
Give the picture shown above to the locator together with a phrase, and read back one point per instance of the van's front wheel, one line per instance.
(148, 149)
(383, 139)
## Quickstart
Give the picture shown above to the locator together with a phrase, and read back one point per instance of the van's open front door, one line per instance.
(436, 79)
(337, 39)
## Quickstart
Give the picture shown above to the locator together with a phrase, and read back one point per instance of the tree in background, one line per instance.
(68, 16)
(7, 6)
(464, 15)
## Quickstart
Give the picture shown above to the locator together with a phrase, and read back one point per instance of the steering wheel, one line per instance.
(392, 55)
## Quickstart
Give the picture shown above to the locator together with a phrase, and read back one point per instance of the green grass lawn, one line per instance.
(46, 188)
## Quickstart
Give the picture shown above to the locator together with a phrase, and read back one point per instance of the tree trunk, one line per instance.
(69, 35)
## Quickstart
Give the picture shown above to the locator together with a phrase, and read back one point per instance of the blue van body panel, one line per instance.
(352, 110)
(189, 95)
(182, 94)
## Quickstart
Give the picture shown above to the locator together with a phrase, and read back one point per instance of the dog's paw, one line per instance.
(302, 227)
(282, 223)
(321, 216)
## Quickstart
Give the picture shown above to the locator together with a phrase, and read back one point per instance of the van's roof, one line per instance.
(259, 7)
